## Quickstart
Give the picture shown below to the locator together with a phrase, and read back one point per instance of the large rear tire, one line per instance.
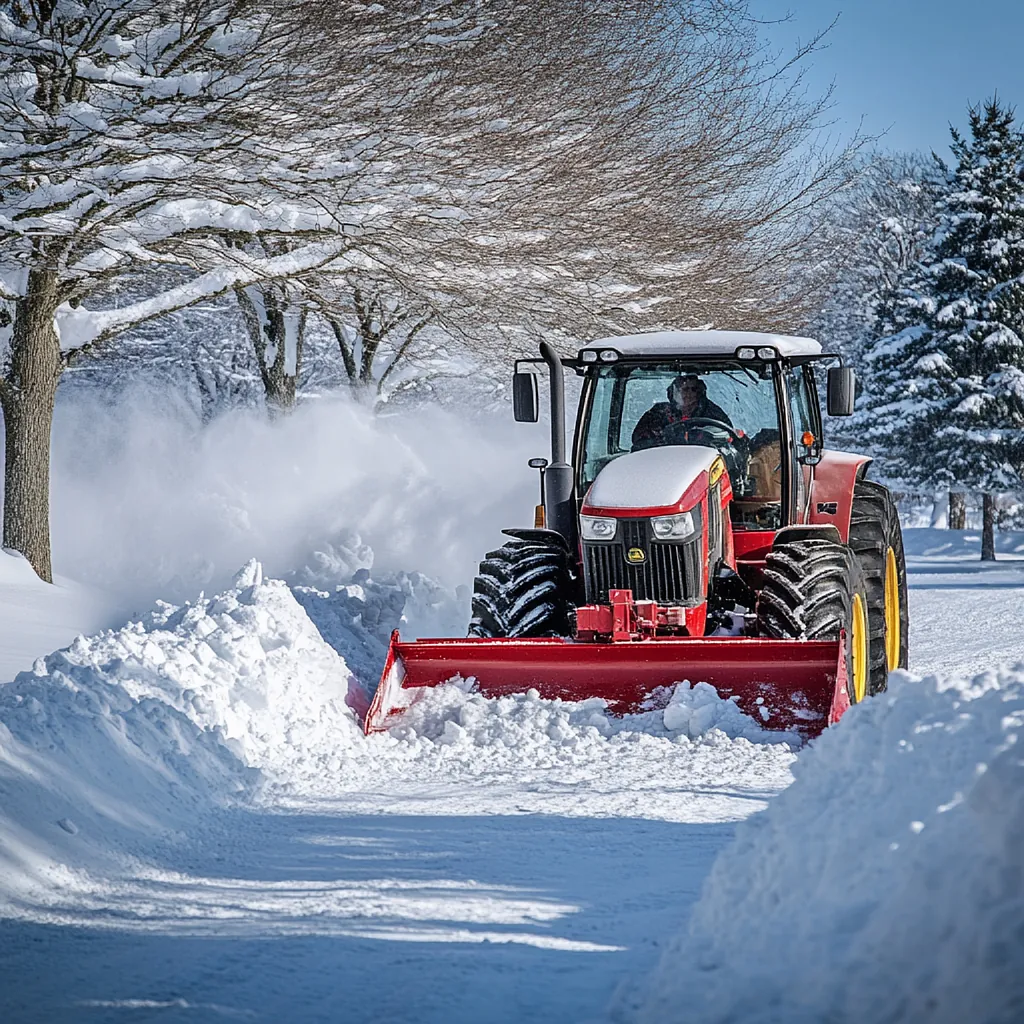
(523, 589)
(877, 541)
(814, 590)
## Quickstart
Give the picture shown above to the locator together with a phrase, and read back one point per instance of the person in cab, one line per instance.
(670, 422)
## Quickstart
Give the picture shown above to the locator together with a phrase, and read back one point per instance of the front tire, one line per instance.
(815, 590)
(523, 590)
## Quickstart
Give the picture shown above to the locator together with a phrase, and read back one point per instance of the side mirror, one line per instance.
(524, 397)
(840, 393)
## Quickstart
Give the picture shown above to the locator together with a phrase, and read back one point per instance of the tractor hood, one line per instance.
(655, 481)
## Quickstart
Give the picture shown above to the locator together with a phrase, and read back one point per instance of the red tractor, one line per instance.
(702, 532)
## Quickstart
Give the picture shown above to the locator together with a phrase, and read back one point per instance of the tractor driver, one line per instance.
(666, 422)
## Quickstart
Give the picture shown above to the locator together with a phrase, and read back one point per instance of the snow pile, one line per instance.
(455, 715)
(357, 617)
(134, 735)
(887, 883)
(695, 710)
(133, 732)
(250, 666)
(454, 751)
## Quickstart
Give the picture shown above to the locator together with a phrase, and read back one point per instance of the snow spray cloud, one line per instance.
(146, 504)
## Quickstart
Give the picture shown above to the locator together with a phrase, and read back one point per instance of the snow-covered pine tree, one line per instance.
(947, 385)
(878, 229)
(893, 419)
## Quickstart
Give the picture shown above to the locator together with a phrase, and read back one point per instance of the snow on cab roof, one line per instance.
(704, 343)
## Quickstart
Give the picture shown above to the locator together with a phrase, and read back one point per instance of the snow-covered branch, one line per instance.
(78, 326)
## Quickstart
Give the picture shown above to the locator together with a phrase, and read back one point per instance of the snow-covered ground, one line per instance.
(37, 618)
(884, 884)
(967, 615)
(193, 828)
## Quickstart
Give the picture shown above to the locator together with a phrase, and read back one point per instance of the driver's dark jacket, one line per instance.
(653, 428)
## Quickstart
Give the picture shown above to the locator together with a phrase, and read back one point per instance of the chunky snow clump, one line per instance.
(456, 715)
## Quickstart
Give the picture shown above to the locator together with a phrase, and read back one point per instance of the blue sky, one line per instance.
(909, 66)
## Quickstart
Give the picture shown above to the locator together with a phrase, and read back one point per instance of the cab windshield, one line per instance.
(729, 407)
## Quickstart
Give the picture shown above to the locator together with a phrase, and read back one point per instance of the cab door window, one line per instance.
(802, 409)
(805, 427)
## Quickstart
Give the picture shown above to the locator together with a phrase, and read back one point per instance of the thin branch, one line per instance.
(400, 354)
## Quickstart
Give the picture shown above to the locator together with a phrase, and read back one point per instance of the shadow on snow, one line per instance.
(317, 917)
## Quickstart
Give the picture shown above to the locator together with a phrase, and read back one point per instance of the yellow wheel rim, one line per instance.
(859, 643)
(892, 611)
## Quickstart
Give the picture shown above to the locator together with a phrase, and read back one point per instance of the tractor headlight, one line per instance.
(597, 528)
(673, 527)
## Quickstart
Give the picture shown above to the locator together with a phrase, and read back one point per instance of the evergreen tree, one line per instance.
(878, 230)
(945, 392)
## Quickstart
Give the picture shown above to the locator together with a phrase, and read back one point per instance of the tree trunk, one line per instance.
(988, 528)
(278, 383)
(278, 336)
(957, 510)
(27, 395)
(347, 354)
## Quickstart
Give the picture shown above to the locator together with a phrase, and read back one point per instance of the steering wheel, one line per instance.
(696, 422)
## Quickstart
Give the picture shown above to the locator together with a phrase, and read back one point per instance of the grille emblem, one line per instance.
(636, 556)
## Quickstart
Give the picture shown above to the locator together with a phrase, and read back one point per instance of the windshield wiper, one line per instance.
(752, 377)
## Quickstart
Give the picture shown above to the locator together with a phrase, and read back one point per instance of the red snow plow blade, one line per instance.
(783, 684)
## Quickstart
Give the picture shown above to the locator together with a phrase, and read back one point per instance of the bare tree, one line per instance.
(561, 166)
(377, 327)
(629, 165)
(276, 326)
(137, 133)
(623, 165)
(116, 122)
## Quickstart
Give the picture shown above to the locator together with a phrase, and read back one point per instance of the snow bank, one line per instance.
(37, 617)
(132, 733)
(886, 884)
(15, 571)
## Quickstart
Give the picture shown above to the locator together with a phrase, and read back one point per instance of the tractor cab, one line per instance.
(730, 408)
(751, 398)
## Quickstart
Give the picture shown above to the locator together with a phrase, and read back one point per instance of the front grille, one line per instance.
(671, 575)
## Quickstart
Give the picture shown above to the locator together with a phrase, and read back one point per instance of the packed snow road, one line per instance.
(192, 827)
